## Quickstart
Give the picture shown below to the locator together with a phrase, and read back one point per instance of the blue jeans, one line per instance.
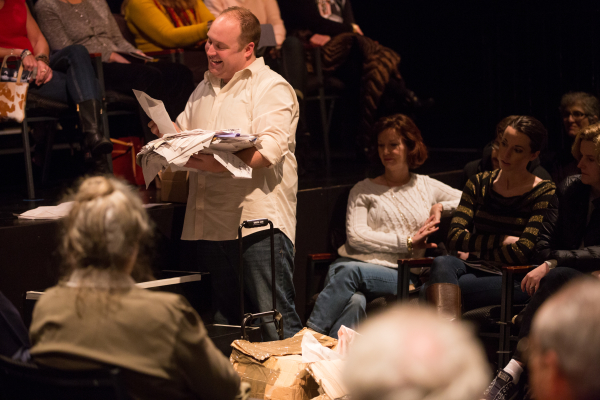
(478, 288)
(221, 259)
(73, 77)
(348, 286)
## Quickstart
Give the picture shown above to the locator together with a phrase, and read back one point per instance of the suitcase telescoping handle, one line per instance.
(248, 318)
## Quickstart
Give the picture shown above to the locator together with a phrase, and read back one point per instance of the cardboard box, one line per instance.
(275, 370)
(175, 186)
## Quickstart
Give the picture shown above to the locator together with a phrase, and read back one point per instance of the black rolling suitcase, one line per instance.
(248, 318)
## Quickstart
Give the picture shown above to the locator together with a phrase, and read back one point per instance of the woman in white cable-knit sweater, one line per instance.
(388, 218)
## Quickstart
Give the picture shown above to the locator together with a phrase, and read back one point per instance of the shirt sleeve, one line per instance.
(274, 118)
(441, 193)
(364, 238)
(51, 26)
(154, 24)
(274, 18)
(205, 369)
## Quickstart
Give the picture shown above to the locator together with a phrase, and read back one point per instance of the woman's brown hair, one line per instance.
(410, 134)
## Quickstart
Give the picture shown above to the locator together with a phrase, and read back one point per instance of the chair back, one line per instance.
(28, 382)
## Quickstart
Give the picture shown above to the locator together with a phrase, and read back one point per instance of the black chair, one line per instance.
(29, 382)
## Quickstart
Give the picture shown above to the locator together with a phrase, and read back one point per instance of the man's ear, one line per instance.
(557, 378)
(593, 119)
(249, 50)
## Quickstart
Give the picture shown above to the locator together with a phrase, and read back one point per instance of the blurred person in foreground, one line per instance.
(96, 316)
(409, 353)
(489, 158)
(564, 348)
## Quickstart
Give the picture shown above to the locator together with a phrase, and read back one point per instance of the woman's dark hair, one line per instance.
(410, 134)
(533, 129)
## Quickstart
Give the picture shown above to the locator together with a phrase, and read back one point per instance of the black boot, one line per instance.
(92, 128)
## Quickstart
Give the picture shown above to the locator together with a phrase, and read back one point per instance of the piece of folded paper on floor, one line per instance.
(48, 212)
(275, 370)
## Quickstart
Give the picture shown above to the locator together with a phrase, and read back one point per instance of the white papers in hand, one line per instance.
(237, 167)
(155, 109)
(50, 212)
(313, 351)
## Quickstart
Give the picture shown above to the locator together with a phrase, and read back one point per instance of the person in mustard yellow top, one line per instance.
(167, 24)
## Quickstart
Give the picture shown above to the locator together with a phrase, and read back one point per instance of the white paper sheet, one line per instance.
(237, 167)
(155, 109)
(49, 212)
(313, 351)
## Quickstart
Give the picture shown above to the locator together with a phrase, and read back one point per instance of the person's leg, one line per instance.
(293, 64)
(444, 269)
(55, 89)
(75, 62)
(346, 277)
(353, 313)
(480, 289)
(442, 290)
(257, 280)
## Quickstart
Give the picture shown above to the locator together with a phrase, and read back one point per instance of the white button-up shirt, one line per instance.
(258, 101)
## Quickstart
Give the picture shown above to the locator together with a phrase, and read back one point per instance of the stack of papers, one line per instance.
(50, 212)
(175, 148)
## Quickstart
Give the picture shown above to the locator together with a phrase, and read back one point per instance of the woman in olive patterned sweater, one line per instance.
(495, 224)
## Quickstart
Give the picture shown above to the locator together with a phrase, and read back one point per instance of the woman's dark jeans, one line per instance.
(478, 288)
(73, 77)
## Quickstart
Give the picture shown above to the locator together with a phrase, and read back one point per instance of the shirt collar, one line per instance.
(253, 68)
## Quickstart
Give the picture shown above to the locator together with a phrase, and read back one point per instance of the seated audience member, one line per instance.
(578, 110)
(388, 218)
(489, 160)
(565, 346)
(354, 58)
(499, 215)
(167, 24)
(91, 24)
(410, 353)
(97, 316)
(14, 339)
(568, 246)
(66, 76)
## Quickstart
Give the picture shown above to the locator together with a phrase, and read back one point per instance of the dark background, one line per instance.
(484, 60)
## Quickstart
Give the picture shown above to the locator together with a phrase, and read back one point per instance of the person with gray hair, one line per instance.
(564, 347)
(409, 353)
(577, 110)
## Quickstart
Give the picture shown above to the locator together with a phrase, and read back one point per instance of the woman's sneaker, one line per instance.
(501, 388)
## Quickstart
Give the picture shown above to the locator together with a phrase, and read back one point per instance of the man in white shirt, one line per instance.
(239, 91)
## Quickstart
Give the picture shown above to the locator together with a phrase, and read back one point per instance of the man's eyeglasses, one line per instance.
(577, 116)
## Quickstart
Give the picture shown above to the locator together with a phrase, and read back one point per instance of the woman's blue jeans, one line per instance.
(478, 288)
(73, 77)
(348, 286)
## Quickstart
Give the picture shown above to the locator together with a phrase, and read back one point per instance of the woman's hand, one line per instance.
(436, 211)
(317, 40)
(420, 238)
(508, 240)
(44, 73)
(531, 282)
(115, 57)
(29, 63)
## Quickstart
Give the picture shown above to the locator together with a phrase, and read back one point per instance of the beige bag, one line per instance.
(13, 96)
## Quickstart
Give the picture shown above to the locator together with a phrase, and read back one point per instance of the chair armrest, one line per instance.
(322, 257)
(415, 262)
(163, 52)
(518, 269)
(95, 55)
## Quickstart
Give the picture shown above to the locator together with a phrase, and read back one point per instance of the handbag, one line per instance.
(12, 94)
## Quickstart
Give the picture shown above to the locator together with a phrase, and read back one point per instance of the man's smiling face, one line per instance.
(226, 55)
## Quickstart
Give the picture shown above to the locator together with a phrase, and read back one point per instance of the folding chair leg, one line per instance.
(505, 318)
(28, 167)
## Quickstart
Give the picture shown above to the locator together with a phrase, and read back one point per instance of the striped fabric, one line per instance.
(484, 217)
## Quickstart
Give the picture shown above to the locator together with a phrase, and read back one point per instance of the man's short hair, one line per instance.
(411, 353)
(249, 24)
(569, 324)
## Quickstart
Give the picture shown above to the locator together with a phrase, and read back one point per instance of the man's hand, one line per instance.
(115, 57)
(319, 40)
(531, 283)
(205, 162)
(154, 128)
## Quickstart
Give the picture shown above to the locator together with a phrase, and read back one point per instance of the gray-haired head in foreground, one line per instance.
(569, 324)
(410, 353)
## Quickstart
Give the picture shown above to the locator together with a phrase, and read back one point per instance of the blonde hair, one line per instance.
(105, 227)
(410, 353)
(591, 133)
